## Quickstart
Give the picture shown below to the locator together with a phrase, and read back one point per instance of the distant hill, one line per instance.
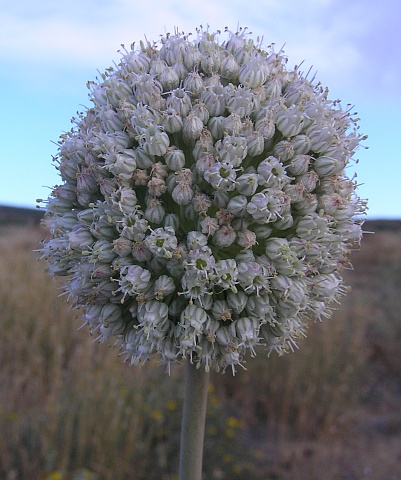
(23, 216)
(20, 216)
(382, 225)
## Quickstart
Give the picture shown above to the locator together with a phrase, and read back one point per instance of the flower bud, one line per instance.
(299, 164)
(80, 239)
(193, 84)
(265, 124)
(201, 111)
(163, 286)
(308, 181)
(154, 141)
(308, 204)
(180, 101)
(328, 166)
(172, 121)
(157, 66)
(210, 63)
(214, 100)
(122, 246)
(216, 126)
(175, 158)
(246, 238)
(191, 129)
(247, 184)
(103, 251)
(225, 336)
(237, 206)
(182, 194)
(247, 330)
(143, 159)
(256, 144)
(253, 73)
(194, 316)
(289, 120)
(155, 211)
(169, 78)
(237, 301)
(229, 68)
(172, 220)
(224, 236)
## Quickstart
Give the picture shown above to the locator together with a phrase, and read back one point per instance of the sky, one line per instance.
(49, 50)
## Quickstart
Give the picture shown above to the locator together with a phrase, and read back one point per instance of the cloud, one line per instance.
(76, 32)
(354, 45)
(58, 36)
(80, 32)
(348, 43)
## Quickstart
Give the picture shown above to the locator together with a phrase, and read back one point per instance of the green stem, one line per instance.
(193, 422)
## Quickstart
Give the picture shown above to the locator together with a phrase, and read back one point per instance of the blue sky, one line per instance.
(49, 50)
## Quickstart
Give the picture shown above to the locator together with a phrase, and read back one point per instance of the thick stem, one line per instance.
(193, 422)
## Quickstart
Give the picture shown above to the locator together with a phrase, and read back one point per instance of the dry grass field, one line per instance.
(71, 409)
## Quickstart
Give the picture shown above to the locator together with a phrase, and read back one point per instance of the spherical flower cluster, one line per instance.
(204, 207)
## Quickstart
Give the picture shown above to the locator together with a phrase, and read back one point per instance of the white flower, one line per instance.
(205, 206)
(163, 286)
(153, 316)
(162, 242)
(221, 176)
(153, 140)
(272, 173)
(226, 274)
(253, 277)
(196, 240)
(79, 239)
(254, 73)
(266, 206)
(209, 226)
(134, 280)
(195, 317)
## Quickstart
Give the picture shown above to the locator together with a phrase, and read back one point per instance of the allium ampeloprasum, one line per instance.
(204, 207)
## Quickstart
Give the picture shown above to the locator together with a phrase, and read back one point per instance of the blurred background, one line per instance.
(69, 408)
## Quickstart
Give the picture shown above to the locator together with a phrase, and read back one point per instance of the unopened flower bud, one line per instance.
(225, 236)
(172, 121)
(182, 194)
(169, 79)
(175, 158)
(191, 129)
(237, 206)
(193, 83)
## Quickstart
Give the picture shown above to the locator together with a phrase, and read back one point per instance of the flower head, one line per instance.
(204, 206)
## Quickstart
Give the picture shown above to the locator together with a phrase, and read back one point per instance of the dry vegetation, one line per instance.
(69, 408)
